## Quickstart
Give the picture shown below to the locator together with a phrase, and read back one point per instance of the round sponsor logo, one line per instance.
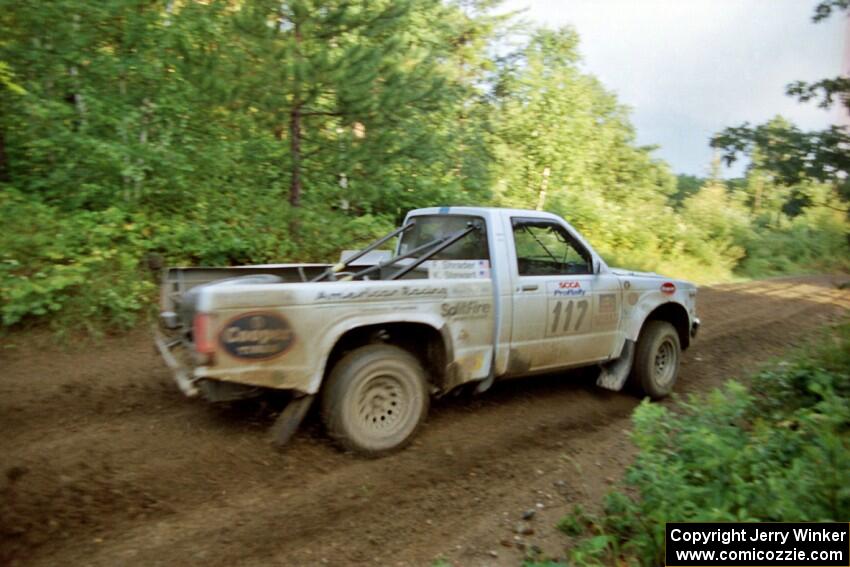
(668, 288)
(256, 336)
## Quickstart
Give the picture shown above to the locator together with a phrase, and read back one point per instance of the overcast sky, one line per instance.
(689, 68)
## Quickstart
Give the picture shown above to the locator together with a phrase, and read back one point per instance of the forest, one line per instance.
(136, 134)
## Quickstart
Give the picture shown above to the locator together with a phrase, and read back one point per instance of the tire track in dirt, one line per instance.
(106, 464)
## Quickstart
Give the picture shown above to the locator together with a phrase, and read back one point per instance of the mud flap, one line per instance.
(485, 384)
(614, 373)
(289, 419)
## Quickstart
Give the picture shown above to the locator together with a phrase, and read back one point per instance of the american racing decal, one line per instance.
(380, 293)
(566, 288)
(256, 336)
(668, 288)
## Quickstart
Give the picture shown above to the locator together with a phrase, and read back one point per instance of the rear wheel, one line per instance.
(657, 357)
(375, 399)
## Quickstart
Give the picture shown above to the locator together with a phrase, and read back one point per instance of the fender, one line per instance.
(649, 302)
(339, 328)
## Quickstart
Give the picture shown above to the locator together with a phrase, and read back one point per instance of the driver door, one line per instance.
(564, 314)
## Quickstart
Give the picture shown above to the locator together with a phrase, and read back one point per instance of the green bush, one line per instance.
(779, 451)
(85, 266)
(87, 269)
(172, 133)
(816, 240)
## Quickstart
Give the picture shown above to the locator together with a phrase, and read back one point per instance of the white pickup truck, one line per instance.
(469, 295)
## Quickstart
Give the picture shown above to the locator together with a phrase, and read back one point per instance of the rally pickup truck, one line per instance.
(466, 296)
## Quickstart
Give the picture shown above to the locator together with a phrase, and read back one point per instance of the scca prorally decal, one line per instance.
(256, 336)
(566, 288)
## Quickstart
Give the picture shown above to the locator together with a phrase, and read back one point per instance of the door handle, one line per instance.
(530, 287)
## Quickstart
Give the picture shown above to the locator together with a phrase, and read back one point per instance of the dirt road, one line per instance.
(104, 463)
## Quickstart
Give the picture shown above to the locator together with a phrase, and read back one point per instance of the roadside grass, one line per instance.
(776, 450)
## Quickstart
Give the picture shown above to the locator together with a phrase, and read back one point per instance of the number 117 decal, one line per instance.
(567, 316)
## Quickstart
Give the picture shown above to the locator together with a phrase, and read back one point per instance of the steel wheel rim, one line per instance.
(664, 363)
(381, 405)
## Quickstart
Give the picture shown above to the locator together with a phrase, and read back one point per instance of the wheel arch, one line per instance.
(431, 345)
(671, 312)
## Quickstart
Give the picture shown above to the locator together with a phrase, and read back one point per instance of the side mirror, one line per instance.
(597, 266)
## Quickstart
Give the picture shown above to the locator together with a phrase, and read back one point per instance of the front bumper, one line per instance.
(695, 327)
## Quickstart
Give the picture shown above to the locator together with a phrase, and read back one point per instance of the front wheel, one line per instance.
(657, 357)
(375, 399)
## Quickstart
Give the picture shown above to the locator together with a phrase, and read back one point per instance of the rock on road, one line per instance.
(105, 463)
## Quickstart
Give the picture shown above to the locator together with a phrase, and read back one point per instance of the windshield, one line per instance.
(473, 246)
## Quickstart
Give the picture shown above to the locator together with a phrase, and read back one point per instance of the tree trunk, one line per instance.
(295, 155)
(4, 162)
(541, 195)
(757, 196)
(295, 132)
(147, 109)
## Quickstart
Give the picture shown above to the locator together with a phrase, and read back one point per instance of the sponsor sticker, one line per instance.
(566, 288)
(256, 336)
(378, 294)
(606, 313)
(465, 310)
(459, 269)
(607, 303)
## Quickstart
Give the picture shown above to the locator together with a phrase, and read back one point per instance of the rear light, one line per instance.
(202, 334)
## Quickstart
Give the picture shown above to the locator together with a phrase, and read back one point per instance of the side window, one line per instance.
(544, 248)
(473, 246)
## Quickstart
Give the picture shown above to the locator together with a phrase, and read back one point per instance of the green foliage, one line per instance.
(85, 266)
(778, 451)
(827, 90)
(89, 268)
(7, 79)
(686, 186)
(575, 523)
(789, 154)
(220, 133)
(815, 240)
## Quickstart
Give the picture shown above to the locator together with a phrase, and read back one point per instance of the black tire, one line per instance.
(657, 358)
(375, 399)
